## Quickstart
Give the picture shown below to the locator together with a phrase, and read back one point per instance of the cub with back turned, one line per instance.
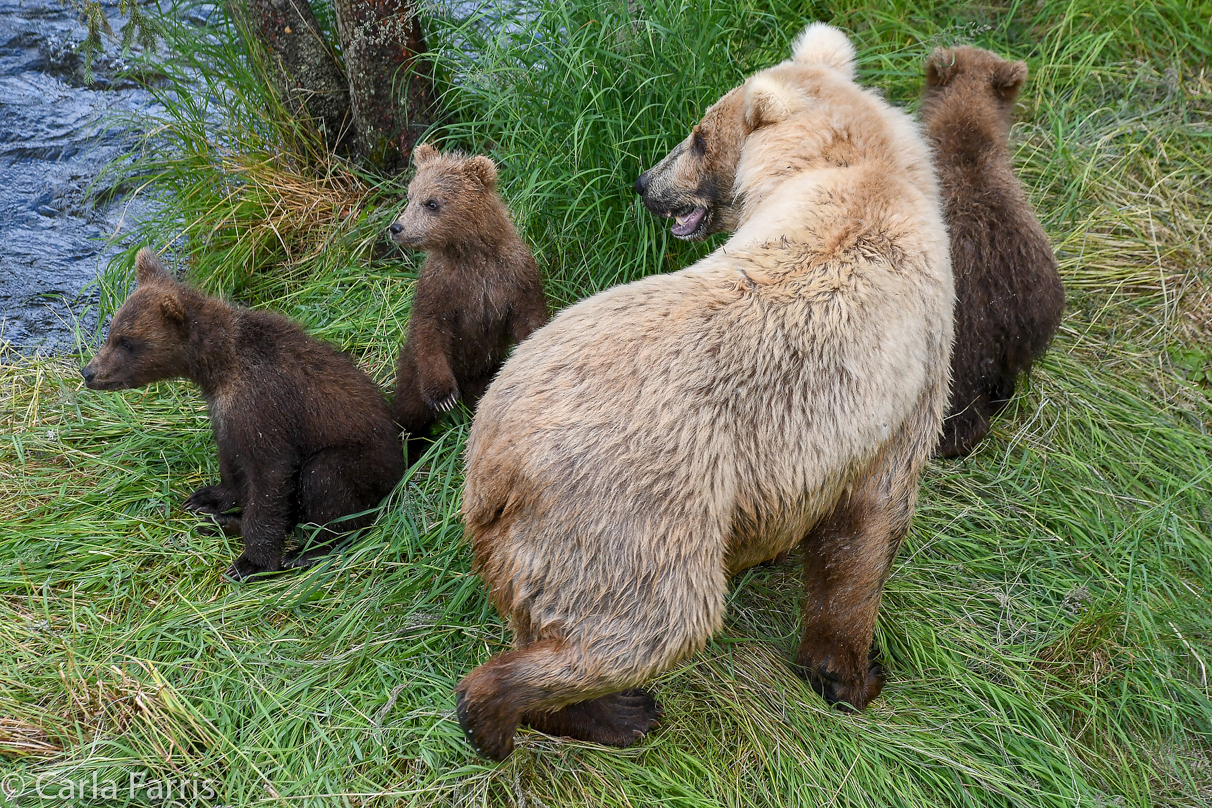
(1009, 296)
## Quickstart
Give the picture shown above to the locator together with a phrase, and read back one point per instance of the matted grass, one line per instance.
(1048, 625)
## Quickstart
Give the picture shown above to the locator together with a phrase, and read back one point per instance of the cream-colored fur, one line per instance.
(657, 437)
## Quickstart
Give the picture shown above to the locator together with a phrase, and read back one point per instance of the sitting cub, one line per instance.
(304, 436)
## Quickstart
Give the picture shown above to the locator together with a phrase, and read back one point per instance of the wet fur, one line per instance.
(659, 436)
(1009, 296)
(478, 293)
(304, 436)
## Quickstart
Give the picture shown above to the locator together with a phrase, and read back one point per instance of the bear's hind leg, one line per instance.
(619, 719)
(963, 430)
(408, 409)
(340, 490)
(554, 686)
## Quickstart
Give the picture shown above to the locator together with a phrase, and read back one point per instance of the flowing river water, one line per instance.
(58, 222)
(57, 132)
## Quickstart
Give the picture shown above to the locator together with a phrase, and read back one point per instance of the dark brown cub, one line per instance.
(304, 436)
(1009, 296)
(479, 290)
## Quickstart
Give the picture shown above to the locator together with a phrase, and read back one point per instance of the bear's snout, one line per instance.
(89, 374)
(395, 229)
(641, 183)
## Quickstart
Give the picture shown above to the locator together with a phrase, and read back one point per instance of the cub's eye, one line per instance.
(432, 204)
(125, 345)
(697, 144)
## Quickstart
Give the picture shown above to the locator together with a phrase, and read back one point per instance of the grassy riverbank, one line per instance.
(1047, 629)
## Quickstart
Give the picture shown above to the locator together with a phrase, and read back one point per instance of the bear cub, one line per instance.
(1008, 293)
(478, 292)
(304, 436)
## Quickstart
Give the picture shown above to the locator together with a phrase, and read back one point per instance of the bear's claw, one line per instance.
(212, 499)
(840, 692)
(493, 748)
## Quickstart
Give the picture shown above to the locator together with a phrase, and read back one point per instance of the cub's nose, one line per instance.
(641, 183)
(88, 374)
(395, 228)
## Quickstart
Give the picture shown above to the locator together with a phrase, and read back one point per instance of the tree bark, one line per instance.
(306, 71)
(390, 94)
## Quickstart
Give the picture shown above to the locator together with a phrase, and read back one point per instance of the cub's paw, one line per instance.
(441, 397)
(494, 742)
(845, 691)
(229, 524)
(619, 719)
(242, 570)
(212, 499)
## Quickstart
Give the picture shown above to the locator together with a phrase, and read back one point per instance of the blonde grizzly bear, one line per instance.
(478, 292)
(1009, 296)
(660, 436)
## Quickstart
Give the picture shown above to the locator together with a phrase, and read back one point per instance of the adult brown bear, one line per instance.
(659, 436)
(1009, 296)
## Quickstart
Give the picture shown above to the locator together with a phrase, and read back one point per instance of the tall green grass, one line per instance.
(1047, 628)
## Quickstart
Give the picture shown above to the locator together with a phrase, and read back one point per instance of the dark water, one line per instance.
(56, 134)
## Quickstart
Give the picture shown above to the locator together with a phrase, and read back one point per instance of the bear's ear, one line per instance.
(940, 67)
(484, 170)
(824, 45)
(172, 309)
(149, 268)
(1008, 79)
(423, 154)
(766, 102)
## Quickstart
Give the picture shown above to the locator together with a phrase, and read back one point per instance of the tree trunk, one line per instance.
(304, 67)
(391, 97)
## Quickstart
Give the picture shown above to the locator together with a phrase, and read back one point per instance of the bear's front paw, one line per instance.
(492, 742)
(848, 691)
(212, 499)
(243, 570)
(442, 397)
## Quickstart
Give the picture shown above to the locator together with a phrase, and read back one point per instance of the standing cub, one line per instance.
(659, 436)
(1009, 296)
(304, 436)
(478, 291)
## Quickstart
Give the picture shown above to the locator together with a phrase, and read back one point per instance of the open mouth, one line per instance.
(688, 222)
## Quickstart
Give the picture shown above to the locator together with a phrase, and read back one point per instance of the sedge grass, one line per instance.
(1047, 627)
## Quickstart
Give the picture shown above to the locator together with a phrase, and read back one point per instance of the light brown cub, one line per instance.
(478, 293)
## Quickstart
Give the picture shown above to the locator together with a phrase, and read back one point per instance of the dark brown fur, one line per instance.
(479, 290)
(304, 436)
(1009, 296)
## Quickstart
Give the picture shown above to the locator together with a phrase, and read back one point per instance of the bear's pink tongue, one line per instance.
(687, 224)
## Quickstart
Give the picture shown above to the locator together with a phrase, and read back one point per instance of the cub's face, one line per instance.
(446, 197)
(693, 184)
(146, 341)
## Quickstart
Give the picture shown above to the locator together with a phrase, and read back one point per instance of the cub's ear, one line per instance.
(767, 102)
(1008, 79)
(149, 268)
(172, 309)
(484, 170)
(940, 67)
(423, 154)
